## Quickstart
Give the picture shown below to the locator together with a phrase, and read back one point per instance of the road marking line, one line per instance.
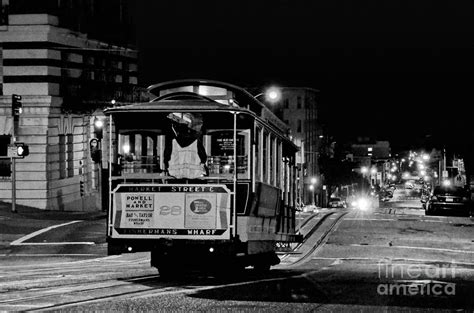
(19, 242)
(385, 259)
(369, 219)
(55, 243)
(46, 254)
(391, 219)
(412, 247)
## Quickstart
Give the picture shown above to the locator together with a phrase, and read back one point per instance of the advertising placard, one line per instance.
(172, 210)
(200, 211)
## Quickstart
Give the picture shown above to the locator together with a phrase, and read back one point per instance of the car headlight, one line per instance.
(363, 204)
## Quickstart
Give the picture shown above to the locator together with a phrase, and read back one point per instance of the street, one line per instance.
(393, 258)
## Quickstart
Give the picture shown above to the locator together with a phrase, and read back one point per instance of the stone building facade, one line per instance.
(65, 77)
(298, 108)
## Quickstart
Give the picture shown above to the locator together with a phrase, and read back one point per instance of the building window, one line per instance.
(4, 163)
(70, 155)
(287, 104)
(298, 130)
(66, 156)
(298, 102)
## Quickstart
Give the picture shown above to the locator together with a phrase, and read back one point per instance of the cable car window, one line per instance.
(271, 159)
(265, 156)
(258, 158)
(221, 158)
(138, 152)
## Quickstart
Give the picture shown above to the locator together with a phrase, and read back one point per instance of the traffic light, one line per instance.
(22, 150)
(81, 186)
(98, 128)
(18, 150)
(17, 106)
(96, 153)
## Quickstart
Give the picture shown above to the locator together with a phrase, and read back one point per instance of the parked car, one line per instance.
(337, 203)
(409, 184)
(448, 198)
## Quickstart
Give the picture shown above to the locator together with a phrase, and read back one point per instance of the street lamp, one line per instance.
(312, 187)
(272, 94)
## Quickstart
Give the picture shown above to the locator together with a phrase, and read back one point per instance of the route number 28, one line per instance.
(170, 210)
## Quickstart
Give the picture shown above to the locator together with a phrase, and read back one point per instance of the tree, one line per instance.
(335, 168)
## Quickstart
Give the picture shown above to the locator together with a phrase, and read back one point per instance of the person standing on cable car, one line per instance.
(184, 154)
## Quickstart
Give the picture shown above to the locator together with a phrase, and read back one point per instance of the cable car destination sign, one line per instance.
(157, 211)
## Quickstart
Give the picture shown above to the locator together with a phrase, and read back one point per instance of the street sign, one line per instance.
(445, 174)
(12, 151)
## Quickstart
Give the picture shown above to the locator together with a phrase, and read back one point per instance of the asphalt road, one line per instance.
(391, 259)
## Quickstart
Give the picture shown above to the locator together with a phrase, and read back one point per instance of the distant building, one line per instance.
(298, 108)
(366, 150)
(67, 60)
(373, 155)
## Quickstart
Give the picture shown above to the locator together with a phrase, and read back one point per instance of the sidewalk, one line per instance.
(27, 220)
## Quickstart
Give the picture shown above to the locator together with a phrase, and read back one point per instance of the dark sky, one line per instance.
(397, 70)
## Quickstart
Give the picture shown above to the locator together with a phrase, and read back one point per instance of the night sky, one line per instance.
(395, 70)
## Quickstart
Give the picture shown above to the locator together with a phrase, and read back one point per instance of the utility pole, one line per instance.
(16, 111)
(13, 170)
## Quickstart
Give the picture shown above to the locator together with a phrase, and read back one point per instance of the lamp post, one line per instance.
(363, 171)
(311, 187)
(272, 94)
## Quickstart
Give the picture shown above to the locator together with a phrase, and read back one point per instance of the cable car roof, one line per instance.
(174, 105)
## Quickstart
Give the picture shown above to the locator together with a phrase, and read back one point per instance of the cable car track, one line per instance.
(321, 240)
(73, 291)
(54, 298)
